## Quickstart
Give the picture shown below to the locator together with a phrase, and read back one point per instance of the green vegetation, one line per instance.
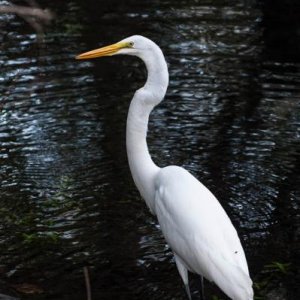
(271, 275)
(214, 297)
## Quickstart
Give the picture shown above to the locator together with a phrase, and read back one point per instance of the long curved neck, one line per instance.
(143, 169)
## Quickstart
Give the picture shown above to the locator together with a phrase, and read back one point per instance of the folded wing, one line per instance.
(199, 232)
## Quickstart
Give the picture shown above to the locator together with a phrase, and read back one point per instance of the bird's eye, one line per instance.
(130, 44)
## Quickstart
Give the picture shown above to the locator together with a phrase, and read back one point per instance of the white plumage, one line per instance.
(200, 233)
(192, 220)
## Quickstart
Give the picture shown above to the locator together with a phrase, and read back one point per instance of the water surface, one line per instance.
(231, 117)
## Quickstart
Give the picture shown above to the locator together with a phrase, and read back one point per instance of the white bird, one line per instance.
(193, 222)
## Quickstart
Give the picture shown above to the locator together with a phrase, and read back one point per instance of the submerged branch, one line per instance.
(33, 15)
(87, 283)
(44, 15)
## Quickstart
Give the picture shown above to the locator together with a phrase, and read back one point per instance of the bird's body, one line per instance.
(203, 242)
(193, 222)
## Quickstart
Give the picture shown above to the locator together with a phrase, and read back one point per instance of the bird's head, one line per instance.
(149, 52)
(135, 45)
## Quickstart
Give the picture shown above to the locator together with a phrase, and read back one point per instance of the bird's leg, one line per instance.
(184, 274)
(187, 289)
(202, 288)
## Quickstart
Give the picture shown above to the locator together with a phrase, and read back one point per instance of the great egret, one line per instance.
(192, 220)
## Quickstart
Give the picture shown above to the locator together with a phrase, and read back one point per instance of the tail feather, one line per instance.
(231, 279)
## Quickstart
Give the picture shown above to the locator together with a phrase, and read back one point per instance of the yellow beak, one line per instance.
(104, 51)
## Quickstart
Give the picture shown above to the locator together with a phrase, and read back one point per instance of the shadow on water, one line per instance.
(231, 117)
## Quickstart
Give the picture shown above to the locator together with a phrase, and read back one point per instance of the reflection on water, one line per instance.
(231, 117)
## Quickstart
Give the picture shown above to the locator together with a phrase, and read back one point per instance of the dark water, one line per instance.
(231, 117)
